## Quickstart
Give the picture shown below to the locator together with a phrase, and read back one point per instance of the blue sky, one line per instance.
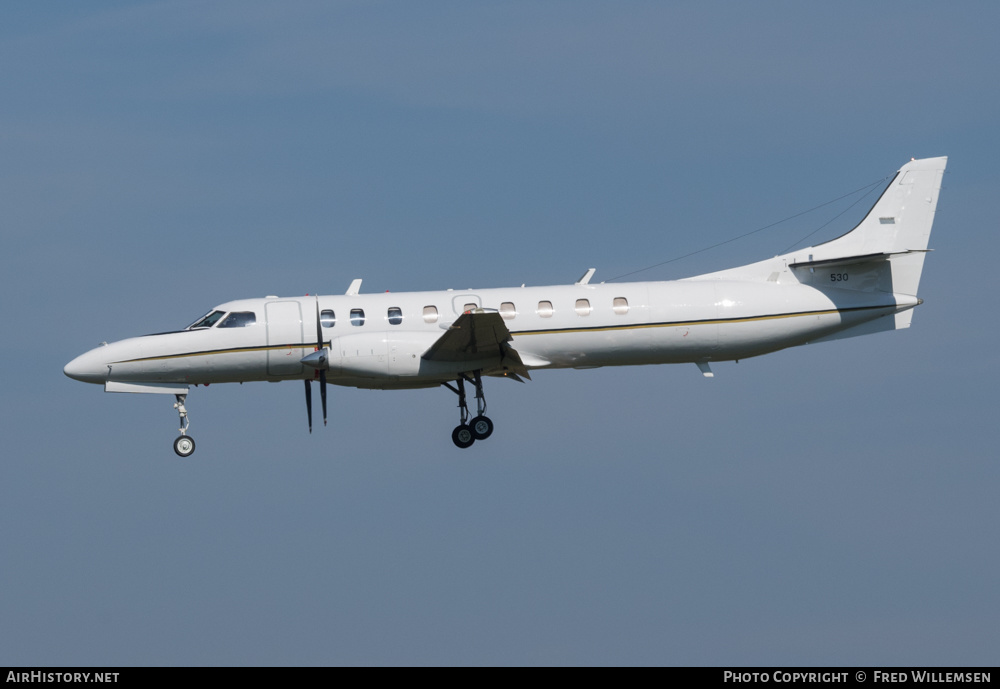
(833, 504)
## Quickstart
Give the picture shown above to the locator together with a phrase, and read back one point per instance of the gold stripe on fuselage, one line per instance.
(551, 331)
(234, 350)
(707, 321)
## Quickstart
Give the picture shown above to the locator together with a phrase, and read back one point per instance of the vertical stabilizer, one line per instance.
(886, 249)
(898, 225)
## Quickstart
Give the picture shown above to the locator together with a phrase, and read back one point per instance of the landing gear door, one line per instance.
(284, 338)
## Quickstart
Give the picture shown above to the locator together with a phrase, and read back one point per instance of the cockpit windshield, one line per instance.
(206, 321)
(239, 319)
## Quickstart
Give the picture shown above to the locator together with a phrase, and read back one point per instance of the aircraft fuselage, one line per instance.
(377, 340)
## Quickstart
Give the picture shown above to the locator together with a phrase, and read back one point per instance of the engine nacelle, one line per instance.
(379, 355)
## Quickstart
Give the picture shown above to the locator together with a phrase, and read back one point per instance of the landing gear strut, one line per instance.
(480, 428)
(184, 445)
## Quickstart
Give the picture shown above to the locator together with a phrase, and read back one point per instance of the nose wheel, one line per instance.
(481, 427)
(184, 444)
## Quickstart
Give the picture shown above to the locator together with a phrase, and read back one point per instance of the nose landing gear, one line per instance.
(184, 444)
(481, 426)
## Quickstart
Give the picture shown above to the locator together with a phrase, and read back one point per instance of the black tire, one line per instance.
(482, 427)
(463, 436)
(184, 446)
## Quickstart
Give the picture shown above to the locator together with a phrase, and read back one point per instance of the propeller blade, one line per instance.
(322, 392)
(319, 327)
(309, 404)
(322, 371)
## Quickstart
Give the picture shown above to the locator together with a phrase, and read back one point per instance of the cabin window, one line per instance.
(545, 309)
(395, 315)
(430, 314)
(327, 318)
(239, 319)
(357, 316)
(583, 307)
(470, 307)
(207, 321)
(621, 306)
(507, 310)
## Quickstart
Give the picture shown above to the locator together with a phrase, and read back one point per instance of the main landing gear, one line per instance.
(480, 428)
(184, 445)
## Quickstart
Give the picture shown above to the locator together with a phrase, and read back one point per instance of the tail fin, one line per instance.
(896, 229)
(884, 254)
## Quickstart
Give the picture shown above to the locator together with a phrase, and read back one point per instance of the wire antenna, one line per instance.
(870, 187)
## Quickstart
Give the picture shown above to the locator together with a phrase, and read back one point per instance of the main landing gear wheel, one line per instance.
(462, 436)
(482, 427)
(184, 446)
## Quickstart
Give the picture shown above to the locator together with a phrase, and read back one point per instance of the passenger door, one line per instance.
(284, 338)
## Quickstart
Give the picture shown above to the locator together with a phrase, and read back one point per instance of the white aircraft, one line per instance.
(862, 282)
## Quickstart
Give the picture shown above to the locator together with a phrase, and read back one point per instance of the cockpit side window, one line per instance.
(239, 319)
(207, 321)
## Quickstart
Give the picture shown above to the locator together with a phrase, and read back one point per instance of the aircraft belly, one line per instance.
(743, 339)
(762, 318)
(686, 342)
(391, 383)
(585, 348)
(126, 371)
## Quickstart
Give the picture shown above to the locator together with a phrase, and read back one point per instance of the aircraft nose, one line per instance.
(88, 368)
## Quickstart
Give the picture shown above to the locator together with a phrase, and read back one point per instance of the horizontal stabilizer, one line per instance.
(852, 260)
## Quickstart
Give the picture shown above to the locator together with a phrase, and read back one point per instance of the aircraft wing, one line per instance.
(476, 336)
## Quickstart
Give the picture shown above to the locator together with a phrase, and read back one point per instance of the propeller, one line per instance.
(319, 360)
(309, 403)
